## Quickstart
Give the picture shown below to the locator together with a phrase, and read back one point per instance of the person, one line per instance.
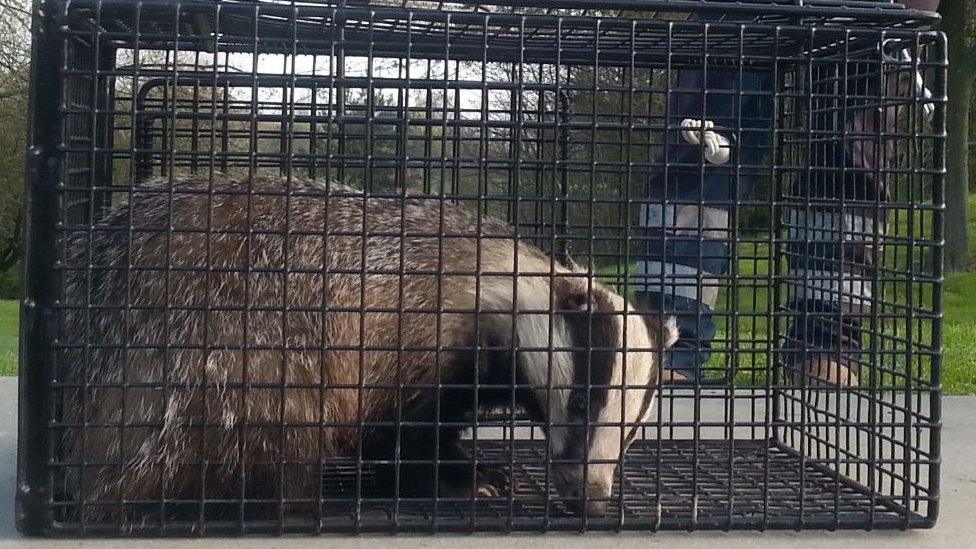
(718, 156)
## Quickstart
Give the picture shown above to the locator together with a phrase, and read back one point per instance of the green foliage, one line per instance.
(598, 136)
(14, 47)
(10, 283)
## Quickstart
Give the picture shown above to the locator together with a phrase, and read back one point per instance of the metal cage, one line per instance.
(554, 117)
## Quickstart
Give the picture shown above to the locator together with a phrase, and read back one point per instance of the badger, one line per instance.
(231, 335)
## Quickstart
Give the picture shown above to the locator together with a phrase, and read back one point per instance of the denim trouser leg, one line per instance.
(686, 219)
(831, 246)
(834, 233)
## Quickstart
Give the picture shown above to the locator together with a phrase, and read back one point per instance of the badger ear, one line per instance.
(575, 301)
(670, 335)
(667, 330)
(572, 294)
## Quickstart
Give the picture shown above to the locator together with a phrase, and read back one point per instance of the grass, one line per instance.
(959, 328)
(959, 335)
(751, 300)
(9, 324)
(959, 324)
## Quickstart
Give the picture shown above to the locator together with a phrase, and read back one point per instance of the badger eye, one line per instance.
(577, 405)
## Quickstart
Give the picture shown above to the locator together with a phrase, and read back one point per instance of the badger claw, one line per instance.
(492, 482)
(489, 482)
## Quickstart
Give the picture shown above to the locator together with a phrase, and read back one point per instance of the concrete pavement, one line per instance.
(956, 528)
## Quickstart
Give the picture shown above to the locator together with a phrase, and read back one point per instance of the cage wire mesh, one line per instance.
(184, 323)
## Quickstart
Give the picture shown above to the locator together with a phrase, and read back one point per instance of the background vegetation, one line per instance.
(14, 69)
(960, 298)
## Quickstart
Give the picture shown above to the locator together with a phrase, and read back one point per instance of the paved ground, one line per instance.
(956, 528)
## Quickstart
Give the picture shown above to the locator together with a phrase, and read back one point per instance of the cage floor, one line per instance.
(667, 485)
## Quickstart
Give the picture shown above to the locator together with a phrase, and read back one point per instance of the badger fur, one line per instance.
(215, 345)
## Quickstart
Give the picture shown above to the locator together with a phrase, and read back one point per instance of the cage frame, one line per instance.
(34, 514)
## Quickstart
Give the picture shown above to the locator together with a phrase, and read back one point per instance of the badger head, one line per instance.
(591, 363)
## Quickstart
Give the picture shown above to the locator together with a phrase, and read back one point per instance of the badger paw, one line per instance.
(493, 482)
(489, 482)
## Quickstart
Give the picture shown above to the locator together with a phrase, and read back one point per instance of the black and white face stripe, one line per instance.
(596, 384)
(598, 332)
(614, 364)
(595, 335)
(616, 357)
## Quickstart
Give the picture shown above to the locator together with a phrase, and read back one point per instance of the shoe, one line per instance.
(674, 376)
(828, 371)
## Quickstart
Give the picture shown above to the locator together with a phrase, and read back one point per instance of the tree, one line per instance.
(14, 74)
(956, 16)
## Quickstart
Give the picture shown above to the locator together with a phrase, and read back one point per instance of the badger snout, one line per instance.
(587, 496)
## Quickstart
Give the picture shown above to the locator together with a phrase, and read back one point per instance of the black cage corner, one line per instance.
(769, 173)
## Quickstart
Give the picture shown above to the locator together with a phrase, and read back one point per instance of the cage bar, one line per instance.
(559, 120)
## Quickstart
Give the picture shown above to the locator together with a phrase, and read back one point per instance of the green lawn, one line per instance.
(959, 366)
(9, 321)
(751, 302)
(959, 335)
(959, 328)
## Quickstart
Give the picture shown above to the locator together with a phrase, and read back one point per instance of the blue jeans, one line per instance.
(686, 243)
(830, 246)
